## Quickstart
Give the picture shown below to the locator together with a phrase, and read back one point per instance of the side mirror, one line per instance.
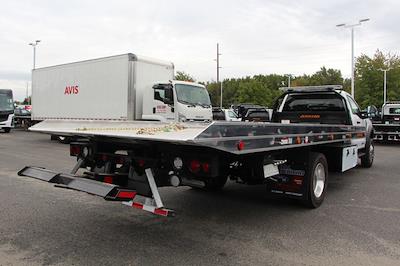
(169, 96)
(363, 114)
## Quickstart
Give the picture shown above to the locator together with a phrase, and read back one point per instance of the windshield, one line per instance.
(6, 101)
(394, 111)
(193, 95)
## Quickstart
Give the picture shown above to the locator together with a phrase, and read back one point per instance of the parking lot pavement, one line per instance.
(358, 224)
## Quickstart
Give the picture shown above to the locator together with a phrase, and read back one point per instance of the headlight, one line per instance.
(178, 163)
(181, 117)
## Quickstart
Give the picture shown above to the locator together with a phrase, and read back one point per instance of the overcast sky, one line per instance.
(255, 36)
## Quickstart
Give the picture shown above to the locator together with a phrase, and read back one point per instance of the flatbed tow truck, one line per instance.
(130, 161)
(388, 127)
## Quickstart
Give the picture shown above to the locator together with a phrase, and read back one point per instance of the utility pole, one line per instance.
(218, 67)
(27, 99)
(351, 26)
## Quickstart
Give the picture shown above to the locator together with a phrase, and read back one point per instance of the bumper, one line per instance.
(9, 123)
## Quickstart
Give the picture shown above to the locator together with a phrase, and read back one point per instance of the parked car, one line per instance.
(225, 115)
(257, 115)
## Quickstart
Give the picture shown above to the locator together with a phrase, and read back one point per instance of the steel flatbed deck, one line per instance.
(232, 137)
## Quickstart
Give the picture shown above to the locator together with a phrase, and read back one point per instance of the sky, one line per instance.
(255, 36)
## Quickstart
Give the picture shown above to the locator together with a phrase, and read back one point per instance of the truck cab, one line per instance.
(388, 127)
(322, 105)
(6, 110)
(391, 113)
(178, 101)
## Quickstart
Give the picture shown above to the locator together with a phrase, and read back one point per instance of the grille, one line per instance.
(3, 117)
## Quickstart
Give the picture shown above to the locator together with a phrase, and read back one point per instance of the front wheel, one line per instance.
(317, 180)
(368, 158)
(7, 129)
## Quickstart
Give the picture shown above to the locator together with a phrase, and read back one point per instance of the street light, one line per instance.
(351, 26)
(289, 76)
(384, 83)
(34, 44)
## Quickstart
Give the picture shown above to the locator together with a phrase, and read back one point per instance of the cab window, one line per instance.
(354, 106)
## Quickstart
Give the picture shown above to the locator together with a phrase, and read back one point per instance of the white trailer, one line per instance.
(122, 87)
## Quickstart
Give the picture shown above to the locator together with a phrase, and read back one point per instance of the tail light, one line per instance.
(74, 150)
(194, 166)
(206, 167)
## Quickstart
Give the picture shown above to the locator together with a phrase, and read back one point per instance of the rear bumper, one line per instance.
(389, 132)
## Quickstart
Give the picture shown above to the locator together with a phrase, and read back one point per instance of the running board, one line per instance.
(104, 190)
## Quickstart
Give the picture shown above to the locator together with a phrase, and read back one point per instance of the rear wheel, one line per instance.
(7, 129)
(317, 176)
(368, 158)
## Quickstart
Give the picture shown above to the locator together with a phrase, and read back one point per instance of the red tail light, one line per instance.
(194, 166)
(141, 163)
(108, 179)
(206, 167)
(74, 150)
(240, 145)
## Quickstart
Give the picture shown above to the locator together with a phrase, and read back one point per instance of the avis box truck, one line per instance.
(122, 87)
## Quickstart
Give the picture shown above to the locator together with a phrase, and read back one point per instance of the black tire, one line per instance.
(368, 158)
(216, 183)
(316, 179)
(7, 129)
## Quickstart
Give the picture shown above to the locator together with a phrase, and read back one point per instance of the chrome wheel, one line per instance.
(319, 180)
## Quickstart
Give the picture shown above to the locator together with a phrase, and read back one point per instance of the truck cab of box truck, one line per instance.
(6, 110)
(177, 101)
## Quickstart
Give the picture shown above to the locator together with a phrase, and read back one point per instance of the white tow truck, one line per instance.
(387, 128)
(314, 129)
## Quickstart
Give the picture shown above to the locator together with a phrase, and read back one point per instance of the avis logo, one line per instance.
(71, 90)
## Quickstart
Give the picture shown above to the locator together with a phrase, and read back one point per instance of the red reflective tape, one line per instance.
(126, 194)
(137, 205)
(161, 212)
(108, 179)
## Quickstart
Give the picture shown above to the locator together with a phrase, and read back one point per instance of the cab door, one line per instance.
(163, 103)
(356, 120)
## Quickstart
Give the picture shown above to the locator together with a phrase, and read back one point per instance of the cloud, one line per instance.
(256, 36)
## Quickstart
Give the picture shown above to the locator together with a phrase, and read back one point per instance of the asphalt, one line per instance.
(358, 224)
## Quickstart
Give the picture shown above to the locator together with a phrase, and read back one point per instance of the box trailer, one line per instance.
(122, 87)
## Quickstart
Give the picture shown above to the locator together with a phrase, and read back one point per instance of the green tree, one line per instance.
(181, 75)
(369, 78)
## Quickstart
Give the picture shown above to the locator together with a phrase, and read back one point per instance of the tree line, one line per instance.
(264, 89)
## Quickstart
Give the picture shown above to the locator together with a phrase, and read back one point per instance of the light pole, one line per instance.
(34, 44)
(384, 83)
(289, 79)
(351, 26)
